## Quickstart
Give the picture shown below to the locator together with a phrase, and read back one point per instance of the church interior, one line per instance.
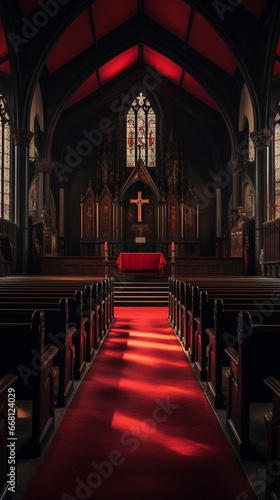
(140, 175)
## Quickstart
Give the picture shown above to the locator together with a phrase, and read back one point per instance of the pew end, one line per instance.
(255, 358)
(272, 423)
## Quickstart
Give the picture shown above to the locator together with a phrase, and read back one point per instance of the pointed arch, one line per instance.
(246, 117)
(141, 133)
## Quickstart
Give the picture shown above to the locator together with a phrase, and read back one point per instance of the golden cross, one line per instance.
(139, 202)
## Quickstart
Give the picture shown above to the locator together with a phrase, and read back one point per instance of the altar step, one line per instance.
(141, 290)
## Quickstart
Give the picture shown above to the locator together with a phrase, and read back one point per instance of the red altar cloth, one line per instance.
(141, 262)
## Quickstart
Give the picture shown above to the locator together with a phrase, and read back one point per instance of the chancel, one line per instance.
(139, 249)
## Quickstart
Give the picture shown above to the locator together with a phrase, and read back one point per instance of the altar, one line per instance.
(141, 261)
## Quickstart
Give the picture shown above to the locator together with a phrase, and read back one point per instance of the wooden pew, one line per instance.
(111, 287)
(223, 334)
(23, 353)
(61, 334)
(58, 333)
(7, 417)
(172, 297)
(257, 357)
(201, 339)
(272, 421)
(193, 313)
(200, 316)
(78, 319)
(72, 315)
(90, 324)
(84, 327)
(110, 301)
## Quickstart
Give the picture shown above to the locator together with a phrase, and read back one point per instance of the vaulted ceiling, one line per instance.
(78, 50)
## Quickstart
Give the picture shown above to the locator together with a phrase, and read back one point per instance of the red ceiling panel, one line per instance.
(109, 14)
(256, 7)
(204, 39)
(28, 6)
(75, 39)
(276, 69)
(173, 16)
(3, 43)
(5, 68)
(118, 64)
(87, 88)
(162, 64)
(194, 88)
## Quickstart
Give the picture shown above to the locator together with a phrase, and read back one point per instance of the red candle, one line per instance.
(106, 245)
(172, 246)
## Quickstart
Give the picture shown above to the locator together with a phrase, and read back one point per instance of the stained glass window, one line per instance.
(5, 158)
(277, 164)
(141, 133)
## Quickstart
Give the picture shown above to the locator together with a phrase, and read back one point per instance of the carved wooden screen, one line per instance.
(190, 215)
(88, 215)
(173, 217)
(105, 217)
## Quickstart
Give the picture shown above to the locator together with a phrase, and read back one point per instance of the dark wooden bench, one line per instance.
(256, 358)
(59, 333)
(201, 313)
(77, 320)
(223, 334)
(23, 353)
(76, 316)
(92, 324)
(272, 421)
(200, 340)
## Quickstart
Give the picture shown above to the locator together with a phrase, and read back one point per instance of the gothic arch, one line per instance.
(141, 219)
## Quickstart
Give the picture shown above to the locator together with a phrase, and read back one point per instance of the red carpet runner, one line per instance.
(139, 426)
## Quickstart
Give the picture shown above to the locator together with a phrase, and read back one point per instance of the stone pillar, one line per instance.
(235, 170)
(22, 140)
(44, 167)
(261, 140)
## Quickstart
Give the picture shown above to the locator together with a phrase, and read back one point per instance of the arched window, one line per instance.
(277, 164)
(5, 159)
(141, 133)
